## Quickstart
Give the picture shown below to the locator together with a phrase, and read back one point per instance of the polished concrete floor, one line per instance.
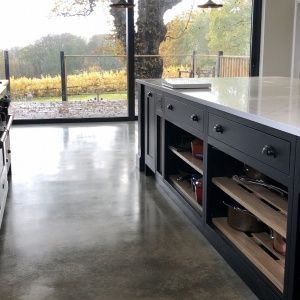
(82, 223)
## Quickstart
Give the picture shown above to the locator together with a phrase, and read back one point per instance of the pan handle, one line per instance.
(238, 208)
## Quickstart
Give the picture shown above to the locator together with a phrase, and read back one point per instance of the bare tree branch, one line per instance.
(71, 8)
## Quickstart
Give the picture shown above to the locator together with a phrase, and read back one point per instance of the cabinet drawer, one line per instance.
(177, 111)
(266, 148)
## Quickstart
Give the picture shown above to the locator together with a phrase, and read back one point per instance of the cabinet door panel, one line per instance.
(150, 129)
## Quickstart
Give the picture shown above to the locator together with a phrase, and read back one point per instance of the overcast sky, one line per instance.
(25, 21)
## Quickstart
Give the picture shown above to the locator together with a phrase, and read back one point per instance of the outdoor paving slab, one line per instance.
(69, 109)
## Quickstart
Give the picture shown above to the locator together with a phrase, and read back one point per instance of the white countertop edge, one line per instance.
(3, 82)
(3, 86)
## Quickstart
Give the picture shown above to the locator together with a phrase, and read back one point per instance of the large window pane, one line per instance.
(96, 86)
(216, 41)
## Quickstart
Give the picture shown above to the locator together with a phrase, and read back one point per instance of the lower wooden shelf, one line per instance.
(264, 239)
(186, 190)
(253, 248)
(270, 215)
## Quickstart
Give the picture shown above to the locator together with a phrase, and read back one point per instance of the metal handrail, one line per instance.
(220, 62)
(236, 56)
(144, 55)
(156, 55)
(76, 55)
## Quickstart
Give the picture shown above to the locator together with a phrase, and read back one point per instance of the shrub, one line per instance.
(86, 82)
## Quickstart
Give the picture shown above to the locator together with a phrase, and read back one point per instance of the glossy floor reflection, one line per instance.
(82, 223)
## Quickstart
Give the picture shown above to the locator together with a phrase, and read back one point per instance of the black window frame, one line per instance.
(255, 37)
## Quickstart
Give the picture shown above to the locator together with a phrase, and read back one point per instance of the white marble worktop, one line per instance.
(3, 85)
(271, 101)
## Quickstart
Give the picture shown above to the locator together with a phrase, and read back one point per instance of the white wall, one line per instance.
(277, 37)
(296, 43)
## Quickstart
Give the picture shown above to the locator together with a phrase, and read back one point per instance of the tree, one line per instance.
(227, 29)
(186, 33)
(104, 44)
(230, 28)
(42, 57)
(49, 47)
(151, 29)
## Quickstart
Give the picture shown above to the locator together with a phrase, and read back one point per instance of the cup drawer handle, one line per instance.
(194, 118)
(218, 128)
(170, 107)
(269, 151)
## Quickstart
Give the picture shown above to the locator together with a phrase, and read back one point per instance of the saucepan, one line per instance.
(279, 242)
(254, 174)
(241, 219)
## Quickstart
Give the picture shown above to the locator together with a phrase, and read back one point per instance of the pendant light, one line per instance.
(121, 4)
(210, 4)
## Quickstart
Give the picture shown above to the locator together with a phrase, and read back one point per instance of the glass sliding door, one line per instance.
(217, 41)
(94, 62)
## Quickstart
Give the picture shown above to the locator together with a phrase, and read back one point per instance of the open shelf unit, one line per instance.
(233, 184)
(188, 157)
(270, 208)
(262, 209)
(185, 189)
(180, 162)
(254, 247)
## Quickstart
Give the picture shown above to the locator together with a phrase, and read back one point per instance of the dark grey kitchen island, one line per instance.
(247, 131)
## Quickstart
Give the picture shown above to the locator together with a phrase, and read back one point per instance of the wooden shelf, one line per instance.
(272, 198)
(267, 214)
(252, 249)
(186, 190)
(188, 157)
(265, 239)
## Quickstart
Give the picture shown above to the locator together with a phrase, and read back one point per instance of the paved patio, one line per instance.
(71, 109)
